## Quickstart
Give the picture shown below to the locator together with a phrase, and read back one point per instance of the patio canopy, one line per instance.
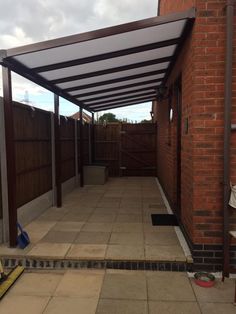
(107, 68)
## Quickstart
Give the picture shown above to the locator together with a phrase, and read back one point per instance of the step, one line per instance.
(45, 263)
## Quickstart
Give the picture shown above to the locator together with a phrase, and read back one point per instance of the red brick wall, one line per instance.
(203, 105)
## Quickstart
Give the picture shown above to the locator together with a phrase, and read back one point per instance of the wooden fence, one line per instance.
(33, 152)
(127, 149)
(33, 146)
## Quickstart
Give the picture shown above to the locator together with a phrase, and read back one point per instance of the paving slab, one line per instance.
(92, 237)
(36, 284)
(106, 306)
(218, 308)
(127, 227)
(169, 286)
(96, 227)
(125, 252)
(161, 238)
(23, 304)
(127, 238)
(58, 236)
(161, 307)
(55, 250)
(65, 305)
(164, 253)
(87, 251)
(221, 292)
(80, 284)
(99, 217)
(129, 286)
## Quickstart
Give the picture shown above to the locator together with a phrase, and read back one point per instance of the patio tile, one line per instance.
(57, 236)
(7, 251)
(87, 251)
(76, 217)
(147, 227)
(105, 211)
(106, 306)
(164, 238)
(169, 286)
(97, 227)
(130, 210)
(221, 292)
(80, 284)
(23, 304)
(125, 252)
(39, 226)
(62, 305)
(68, 226)
(129, 218)
(37, 229)
(218, 308)
(36, 284)
(110, 204)
(173, 307)
(57, 250)
(93, 237)
(127, 227)
(126, 238)
(124, 286)
(102, 218)
(164, 253)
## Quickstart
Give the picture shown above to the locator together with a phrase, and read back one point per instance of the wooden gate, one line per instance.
(127, 149)
(138, 149)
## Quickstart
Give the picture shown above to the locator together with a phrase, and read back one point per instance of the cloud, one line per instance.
(27, 21)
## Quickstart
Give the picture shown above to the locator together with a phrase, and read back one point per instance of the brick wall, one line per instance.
(202, 65)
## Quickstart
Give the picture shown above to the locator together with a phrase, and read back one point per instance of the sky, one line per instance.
(28, 21)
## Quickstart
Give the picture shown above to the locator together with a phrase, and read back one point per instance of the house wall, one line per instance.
(202, 64)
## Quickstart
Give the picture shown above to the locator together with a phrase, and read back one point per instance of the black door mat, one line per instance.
(164, 220)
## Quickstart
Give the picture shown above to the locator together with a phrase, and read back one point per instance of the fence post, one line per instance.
(76, 153)
(57, 151)
(10, 155)
(3, 165)
(54, 202)
(93, 140)
(81, 144)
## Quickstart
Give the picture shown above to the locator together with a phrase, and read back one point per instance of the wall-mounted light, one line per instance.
(161, 93)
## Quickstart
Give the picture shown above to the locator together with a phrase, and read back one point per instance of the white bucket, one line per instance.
(232, 201)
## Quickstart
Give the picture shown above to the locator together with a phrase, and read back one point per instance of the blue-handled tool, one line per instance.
(22, 238)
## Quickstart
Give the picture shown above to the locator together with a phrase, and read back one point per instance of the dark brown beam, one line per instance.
(108, 82)
(104, 56)
(109, 31)
(87, 101)
(10, 155)
(20, 69)
(81, 147)
(109, 71)
(57, 151)
(124, 104)
(120, 88)
(149, 94)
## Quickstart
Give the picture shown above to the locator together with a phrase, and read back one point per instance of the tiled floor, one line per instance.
(112, 221)
(115, 292)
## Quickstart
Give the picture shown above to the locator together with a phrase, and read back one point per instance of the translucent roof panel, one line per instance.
(114, 66)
